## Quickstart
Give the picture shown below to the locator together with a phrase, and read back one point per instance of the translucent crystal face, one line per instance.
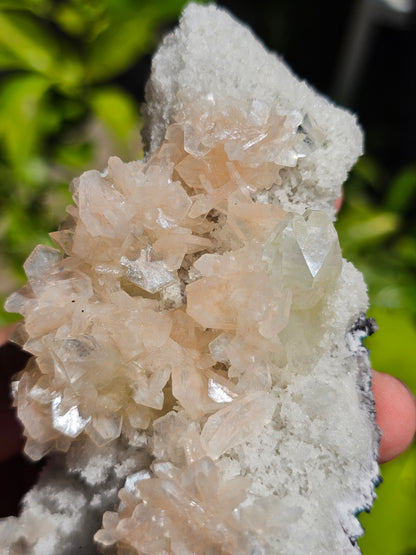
(189, 307)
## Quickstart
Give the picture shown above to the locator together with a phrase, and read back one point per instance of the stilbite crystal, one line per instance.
(191, 346)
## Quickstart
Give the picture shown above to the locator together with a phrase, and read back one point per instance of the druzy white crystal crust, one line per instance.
(221, 65)
(197, 377)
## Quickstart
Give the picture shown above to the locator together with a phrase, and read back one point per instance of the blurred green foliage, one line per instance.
(62, 111)
(377, 233)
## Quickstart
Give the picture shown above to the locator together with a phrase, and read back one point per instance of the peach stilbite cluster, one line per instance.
(142, 304)
(194, 377)
(171, 295)
(180, 511)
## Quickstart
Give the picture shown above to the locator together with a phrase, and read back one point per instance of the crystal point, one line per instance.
(150, 275)
(70, 423)
(39, 261)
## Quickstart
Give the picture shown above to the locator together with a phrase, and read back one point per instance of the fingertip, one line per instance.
(6, 332)
(396, 415)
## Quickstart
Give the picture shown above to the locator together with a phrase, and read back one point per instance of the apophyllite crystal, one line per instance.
(197, 374)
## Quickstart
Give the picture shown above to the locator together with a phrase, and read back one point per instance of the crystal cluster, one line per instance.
(191, 327)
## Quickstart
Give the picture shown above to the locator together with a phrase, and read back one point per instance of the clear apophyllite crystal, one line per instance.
(190, 376)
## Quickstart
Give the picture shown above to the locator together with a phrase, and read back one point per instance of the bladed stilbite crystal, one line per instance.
(194, 378)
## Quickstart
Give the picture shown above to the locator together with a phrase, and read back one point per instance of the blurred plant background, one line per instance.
(64, 106)
(72, 76)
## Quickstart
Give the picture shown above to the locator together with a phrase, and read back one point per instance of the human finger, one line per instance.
(6, 332)
(396, 415)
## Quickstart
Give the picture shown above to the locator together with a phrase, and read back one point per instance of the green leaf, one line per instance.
(8, 60)
(118, 46)
(407, 249)
(130, 32)
(367, 169)
(28, 40)
(20, 115)
(402, 190)
(393, 345)
(77, 17)
(362, 228)
(116, 109)
(76, 155)
(162, 9)
(375, 227)
(33, 43)
(36, 6)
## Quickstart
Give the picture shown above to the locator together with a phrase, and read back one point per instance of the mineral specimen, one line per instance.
(194, 378)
